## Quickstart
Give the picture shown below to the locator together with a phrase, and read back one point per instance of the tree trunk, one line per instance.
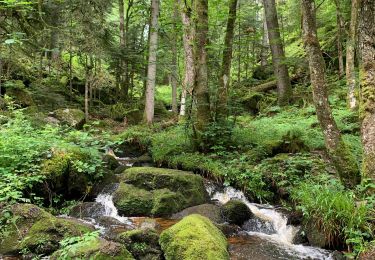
(343, 160)
(174, 67)
(151, 71)
(278, 56)
(367, 92)
(188, 40)
(265, 45)
(340, 35)
(200, 90)
(224, 79)
(350, 56)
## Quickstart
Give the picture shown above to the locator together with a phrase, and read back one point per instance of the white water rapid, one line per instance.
(110, 210)
(282, 234)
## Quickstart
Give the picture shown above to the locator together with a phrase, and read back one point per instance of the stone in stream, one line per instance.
(94, 249)
(236, 212)
(38, 231)
(194, 237)
(147, 191)
(210, 211)
(86, 210)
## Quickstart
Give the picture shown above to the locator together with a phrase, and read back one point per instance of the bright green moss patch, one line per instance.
(194, 237)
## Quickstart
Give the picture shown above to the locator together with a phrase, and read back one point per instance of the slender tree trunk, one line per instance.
(340, 36)
(188, 41)
(151, 72)
(239, 45)
(224, 79)
(174, 73)
(278, 56)
(200, 90)
(265, 46)
(87, 85)
(367, 92)
(342, 158)
(350, 56)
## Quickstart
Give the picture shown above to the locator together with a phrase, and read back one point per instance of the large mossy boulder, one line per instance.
(148, 191)
(21, 96)
(142, 243)
(210, 211)
(70, 117)
(194, 237)
(94, 249)
(236, 212)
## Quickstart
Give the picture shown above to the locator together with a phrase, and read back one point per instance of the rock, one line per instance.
(3, 104)
(70, 117)
(194, 237)
(143, 161)
(149, 223)
(94, 249)
(259, 225)
(236, 212)
(87, 210)
(21, 96)
(147, 191)
(142, 243)
(210, 211)
(369, 252)
(300, 238)
(52, 121)
(295, 218)
(121, 169)
(111, 162)
(44, 236)
(315, 236)
(228, 230)
(24, 216)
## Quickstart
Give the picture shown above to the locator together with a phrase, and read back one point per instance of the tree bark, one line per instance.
(174, 67)
(188, 41)
(367, 91)
(340, 35)
(278, 56)
(224, 79)
(200, 90)
(151, 72)
(343, 160)
(350, 56)
(265, 45)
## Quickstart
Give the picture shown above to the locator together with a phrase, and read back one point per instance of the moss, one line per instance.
(142, 243)
(236, 212)
(44, 236)
(111, 162)
(96, 249)
(132, 201)
(194, 237)
(166, 202)
(71, 117)
(21, 96)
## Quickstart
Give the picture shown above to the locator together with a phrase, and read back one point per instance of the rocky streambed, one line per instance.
(153, 213)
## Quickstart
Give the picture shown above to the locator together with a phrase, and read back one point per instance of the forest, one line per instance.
(187, 129)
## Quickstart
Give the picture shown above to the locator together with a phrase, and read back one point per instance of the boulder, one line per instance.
(21, 96)
(315, 236)
(210, 211)
(142, 243)
(194, 237)
(111, 162)
(94, 249)
(70, 117)
(87, 210)
(236, 212)
(148, 191)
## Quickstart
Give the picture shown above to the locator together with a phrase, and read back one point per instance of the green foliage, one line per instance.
(70, 244)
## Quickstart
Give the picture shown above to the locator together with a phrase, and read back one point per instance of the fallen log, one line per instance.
(270, 85)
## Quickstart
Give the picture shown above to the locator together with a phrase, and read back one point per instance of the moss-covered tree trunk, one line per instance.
(188, 41)
(341, 156)
(367, 91)
(340, 36)
(350, 56)
(151, 71)
(224, 79)
(278, 57)
(200, 89)
(174, 65)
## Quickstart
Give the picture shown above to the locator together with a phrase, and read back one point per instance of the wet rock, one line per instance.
(144, 160)
(95, 249)
(209, 211)
(259, 225)
(315, 236)
(228, 230)
(295, 218)
(111, 162)
(107, 222)
(236, 212)
(147, 191)
(300, 238)
(142, 243)
(87, 210)
(194, 237)
(149, 223)
(70, 117)
(121, 169)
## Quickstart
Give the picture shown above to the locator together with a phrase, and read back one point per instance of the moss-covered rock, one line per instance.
(71, 117)
(44, 236)
(21, 96)
(151, 191)
(21, 218)
(111, 162)
(194, 237)
(210, 211)
(236, 212)
(142, 243)
(94, 249)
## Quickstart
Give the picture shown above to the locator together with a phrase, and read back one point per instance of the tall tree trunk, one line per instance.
(278, 56)
(200, 90)
(224, 79)
(174, 67)
(123, 43)
(265, 45)
(188, 41)
(342, 158)
(350, 56)
(151, 72)
(367, 92)
(340, 36)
